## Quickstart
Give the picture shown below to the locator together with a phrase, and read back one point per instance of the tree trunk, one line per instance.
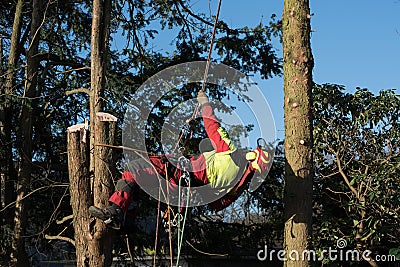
(3, 153)
(25, 135)
(78, 171)
(101, 246)
(99, 51)
(105, 129)
(93, 241)
(298, 64)
(8, 172)
(360, 245)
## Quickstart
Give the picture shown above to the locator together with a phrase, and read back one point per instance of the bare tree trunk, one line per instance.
(105, 128)
(99, 52)
(298, 64)
(100, 247)
(93, 241)
(78, 171)
(3, 142)
(8, 172)
(3, 157)
(25, 135)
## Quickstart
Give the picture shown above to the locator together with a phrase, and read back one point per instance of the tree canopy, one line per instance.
(356, 135)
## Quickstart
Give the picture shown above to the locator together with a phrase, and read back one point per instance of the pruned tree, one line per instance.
(92, 240)
(94, 246)
(298, 83)
(78, 170)
(100, 247)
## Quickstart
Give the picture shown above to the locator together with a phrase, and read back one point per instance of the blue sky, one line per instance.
(355, 43)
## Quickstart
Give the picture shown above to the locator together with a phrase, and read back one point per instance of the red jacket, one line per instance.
(223, 167)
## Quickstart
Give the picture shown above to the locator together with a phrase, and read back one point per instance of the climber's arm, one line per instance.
(215, 132)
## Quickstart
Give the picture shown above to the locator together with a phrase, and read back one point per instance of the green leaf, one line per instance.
(395, 252)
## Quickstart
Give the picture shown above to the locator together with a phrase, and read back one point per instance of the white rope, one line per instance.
(180, 232)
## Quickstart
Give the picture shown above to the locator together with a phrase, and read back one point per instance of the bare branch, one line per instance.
(41, 25)
(34, 191)
(77, 69)
(63, 238)
(335, 192)
(222, 26)
(367, 186)
(186, 9)
(79, 90)
(344, 176)
(329, 175)
(339, 195)
(66, 218)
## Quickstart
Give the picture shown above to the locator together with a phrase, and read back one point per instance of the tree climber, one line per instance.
(223, 167)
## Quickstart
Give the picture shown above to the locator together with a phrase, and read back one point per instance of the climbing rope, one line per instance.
(184, 160)
(178, 218)
(185, 176)
(168, 214)
(211, 46)
(197, 108)
(158, 219)
(166, 197)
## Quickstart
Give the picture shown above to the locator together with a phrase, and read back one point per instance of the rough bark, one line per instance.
(100, 248)
(2, 132)
(8, 172)
(99, 52)
(78, 171)
(298, 64)
(93, 241)
(25, 139)
(103, 187)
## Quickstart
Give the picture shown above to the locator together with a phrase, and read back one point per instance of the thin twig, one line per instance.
(129, 250)
(41, 25)
(30, 193)
(63, 238)
(345, 178)
(206, 253)
(77, 69)
(66, 218)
